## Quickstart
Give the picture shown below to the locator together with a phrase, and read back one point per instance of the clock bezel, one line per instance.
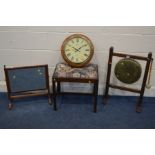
(73, 64)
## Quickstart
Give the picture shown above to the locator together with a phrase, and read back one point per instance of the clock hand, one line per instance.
(73, 48)
(76, 49)
(81, 47)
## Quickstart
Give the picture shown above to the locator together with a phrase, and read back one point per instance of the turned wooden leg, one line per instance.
(54, 94)
(139, 104)
(95, 96)
(58, 87)
(105, 99)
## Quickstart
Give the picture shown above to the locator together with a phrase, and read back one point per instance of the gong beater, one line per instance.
(128, 70)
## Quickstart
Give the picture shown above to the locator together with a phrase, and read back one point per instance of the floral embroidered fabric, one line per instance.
(63, 70)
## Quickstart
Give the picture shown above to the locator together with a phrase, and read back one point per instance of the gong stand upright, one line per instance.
(148, 60)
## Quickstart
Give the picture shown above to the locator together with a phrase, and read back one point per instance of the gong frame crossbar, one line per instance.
(148, 60)
(27, 93)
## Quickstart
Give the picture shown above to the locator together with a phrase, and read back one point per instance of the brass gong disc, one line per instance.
(128, 70)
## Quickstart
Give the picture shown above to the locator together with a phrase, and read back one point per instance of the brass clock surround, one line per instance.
(89, 44)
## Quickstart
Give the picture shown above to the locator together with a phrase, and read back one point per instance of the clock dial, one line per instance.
(77, 50)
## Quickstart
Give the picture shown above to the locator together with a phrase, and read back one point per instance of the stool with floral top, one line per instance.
(65, 73)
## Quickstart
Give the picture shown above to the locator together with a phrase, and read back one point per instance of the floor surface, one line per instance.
(76, 112)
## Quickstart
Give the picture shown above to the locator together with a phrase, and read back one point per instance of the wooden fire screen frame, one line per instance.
(45, 90)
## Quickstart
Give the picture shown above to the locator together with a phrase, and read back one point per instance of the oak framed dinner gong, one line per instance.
(128, 71)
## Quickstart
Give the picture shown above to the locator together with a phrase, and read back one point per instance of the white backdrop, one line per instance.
(41, 45)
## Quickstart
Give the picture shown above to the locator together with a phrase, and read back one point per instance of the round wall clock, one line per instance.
(77, 50)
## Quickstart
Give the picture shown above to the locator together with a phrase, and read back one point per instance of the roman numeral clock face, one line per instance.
(77, 50)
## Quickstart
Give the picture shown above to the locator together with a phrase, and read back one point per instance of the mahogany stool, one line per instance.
(64, 73)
